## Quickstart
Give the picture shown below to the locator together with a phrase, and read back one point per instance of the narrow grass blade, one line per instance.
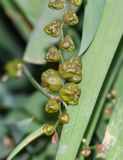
(92, 18)
(25, 142)
(96, 63)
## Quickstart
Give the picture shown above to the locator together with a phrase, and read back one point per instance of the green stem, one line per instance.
(62, 38)
(65, 105)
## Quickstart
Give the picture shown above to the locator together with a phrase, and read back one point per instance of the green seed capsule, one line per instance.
(71, 18)
(51, 80)
(13, 68)
(71, 70)
(53, 29)
(48, 129)
(67, 44)
(76, 2)
(56, 4)
(63, 118)
(52, 106)
(53, 55)
(70, 93)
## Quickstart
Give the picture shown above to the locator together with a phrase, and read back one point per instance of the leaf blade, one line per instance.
(25, 142)
(91, 85)
(92, 17)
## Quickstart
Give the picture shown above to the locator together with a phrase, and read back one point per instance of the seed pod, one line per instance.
(56, 4)
(63, 118)
(76, 2)
(51, 80)
(52, 106)
(13, 68)
(48, 129)
(71, 69)
(53, 55)
(70, 93)
(67, 44)
(71, 18)
(53, 29)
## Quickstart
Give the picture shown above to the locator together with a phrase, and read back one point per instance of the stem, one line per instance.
(35, 84)
(65, 105)
(62, 38)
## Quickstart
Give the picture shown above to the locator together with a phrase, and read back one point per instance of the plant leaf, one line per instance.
(92, 18)
(95, 69)
(30, 8)
(25, 142)
(112, 74)
(17, 18)
(18, 129)
(114, 133)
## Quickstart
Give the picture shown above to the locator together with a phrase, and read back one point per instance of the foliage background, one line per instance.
(100, 32)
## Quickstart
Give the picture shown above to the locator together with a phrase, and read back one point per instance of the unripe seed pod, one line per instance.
(70, 93)
(48, 129)
(63, 118)
(52, 106)
(53, 29)
(71, 18)
(56, 4)
(14, 68)
(76, 2)
(53, 55)
(71, 69)
(67, 44)
(51, 80)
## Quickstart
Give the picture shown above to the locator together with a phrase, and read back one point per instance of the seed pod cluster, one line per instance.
(61, 82)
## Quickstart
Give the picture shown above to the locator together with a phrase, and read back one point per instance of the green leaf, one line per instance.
(30, 8)
(35, 105)
(96, 63)
(92, 18)
(9, 42)
(18, 129)
(25, 142)
(112, 74)
(114, 134)
(17, 18)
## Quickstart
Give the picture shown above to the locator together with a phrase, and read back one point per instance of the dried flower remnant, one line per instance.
(52, 106)
(71, 70)
(53, 29)
(71, 18)
(70, 93)
(48, 129)
(53, 55)
(76, 2)
(56, 4)
(67, 44)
